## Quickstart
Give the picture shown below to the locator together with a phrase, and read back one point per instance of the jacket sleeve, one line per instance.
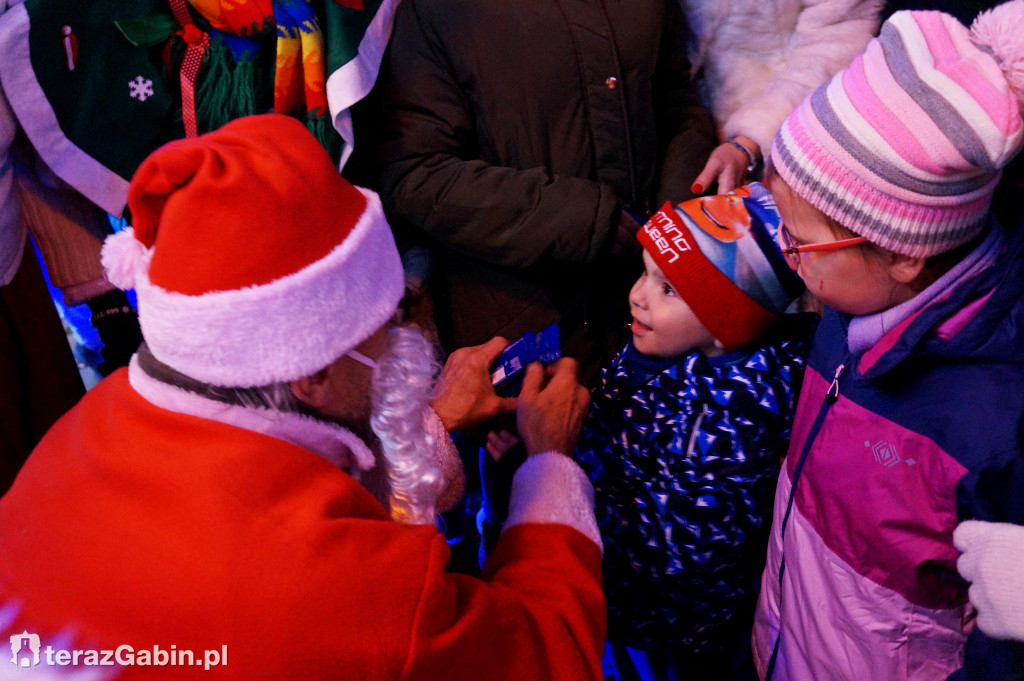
(827, 36)
(992, 493)
(12, 225)
(537, 612)
(680, 117)
(989, 659)
(431, 178)
(594, 441)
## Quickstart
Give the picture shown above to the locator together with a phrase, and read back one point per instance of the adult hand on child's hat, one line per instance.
(729, 165)
(993, 561)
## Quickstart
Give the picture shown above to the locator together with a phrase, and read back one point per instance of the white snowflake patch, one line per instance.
(140, 88)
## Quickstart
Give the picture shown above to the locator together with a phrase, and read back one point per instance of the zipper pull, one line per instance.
(833, 390)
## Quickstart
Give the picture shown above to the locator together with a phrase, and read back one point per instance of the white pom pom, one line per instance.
(123, 257)
(1001, 29)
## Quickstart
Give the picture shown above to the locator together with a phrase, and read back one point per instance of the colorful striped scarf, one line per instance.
(299, 75)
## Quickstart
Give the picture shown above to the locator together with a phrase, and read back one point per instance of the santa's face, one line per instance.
(377, 392)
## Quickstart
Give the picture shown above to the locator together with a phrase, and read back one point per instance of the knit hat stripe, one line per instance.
(838, 141)
(977, 74)
(853, 134)
(900, 226)
(903, 228)
(939, 96)
(896, 104)
(927, 150)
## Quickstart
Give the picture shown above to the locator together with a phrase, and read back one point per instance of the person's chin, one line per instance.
(642, 343)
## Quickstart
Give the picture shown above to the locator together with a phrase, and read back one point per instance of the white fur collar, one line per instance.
(331, 442)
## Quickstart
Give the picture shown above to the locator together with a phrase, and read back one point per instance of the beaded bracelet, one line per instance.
(753, 160)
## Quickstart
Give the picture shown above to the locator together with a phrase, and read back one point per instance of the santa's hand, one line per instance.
(993, 561)
(467, 397)
(549, 416)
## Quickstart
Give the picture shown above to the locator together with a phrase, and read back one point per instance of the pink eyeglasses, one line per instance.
(792, 251)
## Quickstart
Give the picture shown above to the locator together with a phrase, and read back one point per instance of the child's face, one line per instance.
(849, 279)
(663, 324)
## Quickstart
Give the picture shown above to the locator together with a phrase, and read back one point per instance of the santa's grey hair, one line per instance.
(273, 396)
(403, 384)
(276, 396)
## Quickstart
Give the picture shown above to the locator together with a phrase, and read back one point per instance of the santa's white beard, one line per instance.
(403, 384)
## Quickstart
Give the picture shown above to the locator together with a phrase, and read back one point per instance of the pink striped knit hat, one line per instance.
(906, 145)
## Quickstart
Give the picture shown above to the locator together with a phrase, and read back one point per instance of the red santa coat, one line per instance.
(134, 525)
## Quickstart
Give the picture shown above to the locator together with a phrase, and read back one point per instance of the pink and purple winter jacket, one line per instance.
(890, 451)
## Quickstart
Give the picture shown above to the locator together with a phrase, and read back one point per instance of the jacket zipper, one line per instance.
(832, 394)
(831, 397)
(693, 431)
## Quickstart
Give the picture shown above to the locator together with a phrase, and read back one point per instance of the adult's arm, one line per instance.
(538, 609)
(12, 225)
(991, 493)
(680, 118)
(827, 36)
(431, 178)
(992, 560)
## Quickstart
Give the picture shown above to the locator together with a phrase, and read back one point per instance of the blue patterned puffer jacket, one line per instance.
(684, 470)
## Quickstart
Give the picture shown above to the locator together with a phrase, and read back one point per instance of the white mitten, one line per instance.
(993, 561)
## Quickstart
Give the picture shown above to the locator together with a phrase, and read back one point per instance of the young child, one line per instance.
(911, 413)
(685, 434)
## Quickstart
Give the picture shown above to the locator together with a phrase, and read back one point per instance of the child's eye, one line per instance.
(667, 289)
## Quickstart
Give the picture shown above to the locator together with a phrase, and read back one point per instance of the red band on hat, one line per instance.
(732, 317)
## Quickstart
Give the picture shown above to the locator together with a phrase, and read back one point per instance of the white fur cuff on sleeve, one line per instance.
(551, 488)
(447, 458)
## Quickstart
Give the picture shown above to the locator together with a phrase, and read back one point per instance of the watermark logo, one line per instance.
(27, 651)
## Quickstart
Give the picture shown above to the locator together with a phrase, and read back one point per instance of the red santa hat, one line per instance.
(254, 261)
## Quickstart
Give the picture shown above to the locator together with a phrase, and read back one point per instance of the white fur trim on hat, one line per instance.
(287, 329)
(123, 257)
